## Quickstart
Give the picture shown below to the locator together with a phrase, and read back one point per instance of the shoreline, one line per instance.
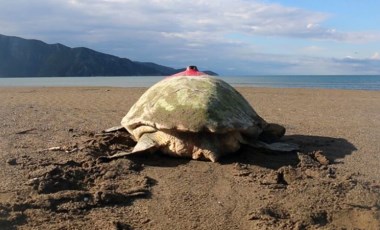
(239, 87)
(350, 82)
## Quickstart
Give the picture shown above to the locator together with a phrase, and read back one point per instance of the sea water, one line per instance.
(352, 82)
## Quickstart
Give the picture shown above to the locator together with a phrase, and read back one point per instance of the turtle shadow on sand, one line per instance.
(333, 148)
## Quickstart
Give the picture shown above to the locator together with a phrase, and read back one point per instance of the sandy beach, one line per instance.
(66, 188)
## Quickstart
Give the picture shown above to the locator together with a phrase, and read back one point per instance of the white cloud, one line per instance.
(376, 56)
(312, 49)
(311, 26)
(172, 16)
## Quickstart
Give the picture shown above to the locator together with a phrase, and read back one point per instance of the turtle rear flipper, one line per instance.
(114, 129)
(144, 145)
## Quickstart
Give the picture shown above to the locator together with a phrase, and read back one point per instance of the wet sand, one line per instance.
(68, 189)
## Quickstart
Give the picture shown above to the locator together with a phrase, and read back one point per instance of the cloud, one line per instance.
(177, 33)
(267, 64)
(358, 66)
(175, 17)
(312, 49)
(376, 56)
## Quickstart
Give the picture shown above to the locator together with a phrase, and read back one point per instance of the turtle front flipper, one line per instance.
(275, 147)
(145, 145)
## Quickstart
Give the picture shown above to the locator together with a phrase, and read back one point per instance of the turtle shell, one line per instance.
(192, 104)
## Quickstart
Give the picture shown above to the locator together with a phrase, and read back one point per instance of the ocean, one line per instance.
(349, 82)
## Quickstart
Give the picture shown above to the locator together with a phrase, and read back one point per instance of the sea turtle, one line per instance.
(195, 115)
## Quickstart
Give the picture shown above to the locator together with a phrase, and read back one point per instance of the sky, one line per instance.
(230, 37)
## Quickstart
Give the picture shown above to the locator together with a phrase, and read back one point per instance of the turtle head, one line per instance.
(272, 132)
(191, 70)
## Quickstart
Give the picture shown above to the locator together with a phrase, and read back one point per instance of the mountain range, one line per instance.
(21, 57)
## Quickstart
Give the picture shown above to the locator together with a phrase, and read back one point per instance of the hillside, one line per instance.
(33, 58)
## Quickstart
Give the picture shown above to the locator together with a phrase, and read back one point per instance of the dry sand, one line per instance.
(69, 189)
